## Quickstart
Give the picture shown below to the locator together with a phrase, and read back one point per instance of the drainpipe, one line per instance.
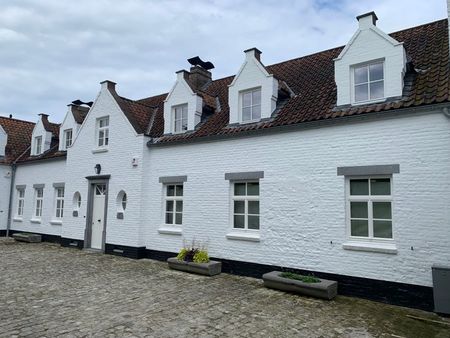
(11, 191)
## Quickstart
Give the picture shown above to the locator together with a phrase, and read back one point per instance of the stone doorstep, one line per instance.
(208, 269)
(29, 238)
(325, 289)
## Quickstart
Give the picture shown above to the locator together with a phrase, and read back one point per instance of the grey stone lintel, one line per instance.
(249, 175)
(172, 179)
(59, 185)
(386, 169)
(38, 186)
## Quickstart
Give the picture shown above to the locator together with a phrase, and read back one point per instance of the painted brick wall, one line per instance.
(5, 181)
(303, 199)
(38, 173)
(124, 144)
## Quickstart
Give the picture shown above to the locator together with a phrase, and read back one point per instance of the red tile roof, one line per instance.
(312, 80)
(19, 137)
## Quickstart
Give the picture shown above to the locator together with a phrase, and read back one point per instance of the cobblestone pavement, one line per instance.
(48, 291)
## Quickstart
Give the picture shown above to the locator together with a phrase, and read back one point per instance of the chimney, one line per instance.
(109, 85)
(44, 117)
(367, 20)
(253, 52)
(199, 76)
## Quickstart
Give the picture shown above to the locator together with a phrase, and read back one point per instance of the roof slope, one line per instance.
(19, 137)
(312, 80)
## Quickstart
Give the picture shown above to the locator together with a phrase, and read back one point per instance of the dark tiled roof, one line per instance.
(52, 153)
(311, 78)
(138, 113)
(19, 137)
(79, 113)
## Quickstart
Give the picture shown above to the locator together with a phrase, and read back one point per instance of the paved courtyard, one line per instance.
(48, 291)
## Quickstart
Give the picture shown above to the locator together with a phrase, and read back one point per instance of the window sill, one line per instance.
(168, 230)
(56, 222)
(243, 236)
(99, 150)
(18, 219)
(387, 248)
(35, 220)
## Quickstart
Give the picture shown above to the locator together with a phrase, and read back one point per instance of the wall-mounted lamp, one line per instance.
(98, 169)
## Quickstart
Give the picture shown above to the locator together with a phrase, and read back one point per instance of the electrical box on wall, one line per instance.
(135, 161)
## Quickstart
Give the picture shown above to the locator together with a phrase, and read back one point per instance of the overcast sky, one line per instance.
(55, 51)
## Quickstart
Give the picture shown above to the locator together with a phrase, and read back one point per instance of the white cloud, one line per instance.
(53, 52)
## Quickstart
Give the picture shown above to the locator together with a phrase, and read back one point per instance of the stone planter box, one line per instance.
(29, 238)
(208, 269)
(325, 289)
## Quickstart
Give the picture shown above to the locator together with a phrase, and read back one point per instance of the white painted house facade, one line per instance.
(336, 163)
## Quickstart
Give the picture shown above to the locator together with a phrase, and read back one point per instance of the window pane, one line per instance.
(382, 210)
(184, 124)
(380, 186)
(376, 72)
(359, 187)
(239, 221)
(178, 125)
(178, 218)
(169, 205)
(253, 222)
(359, 228)
(246, 99)
(358, 210)
(177, 113)
(361, 75)
(179, 206)
(179, 190)
(170, 190)
(239, 207)
(382, 229)
(169, 218)
(361, 93)
(239, 189)
(246, 114)
(253, 207)
(256, 112)
(253, 189)
(256, 97)
(377, 90)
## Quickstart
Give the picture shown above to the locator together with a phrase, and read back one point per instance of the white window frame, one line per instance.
(252, 105)
(369, 199)
(38, 203)
(59, 203)
(68, 143)
(175, 199)
(367, 64)
(184, 118)
(105, 130)
(20, 202)
(246, 198)
(38, 145)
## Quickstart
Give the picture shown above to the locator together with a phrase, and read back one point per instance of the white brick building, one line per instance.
(336, 163)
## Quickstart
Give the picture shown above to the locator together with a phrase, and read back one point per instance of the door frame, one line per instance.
(92, 182)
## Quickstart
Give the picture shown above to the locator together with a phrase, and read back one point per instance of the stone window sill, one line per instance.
(35, 220)
(99, 150)
(387, 248)
(169, 230)
(18, 219)
(243, 236)
(56, 222)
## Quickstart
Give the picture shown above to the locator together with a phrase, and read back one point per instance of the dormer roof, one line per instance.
(19, 137)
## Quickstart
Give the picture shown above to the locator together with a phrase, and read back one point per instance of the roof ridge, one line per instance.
(12, 118)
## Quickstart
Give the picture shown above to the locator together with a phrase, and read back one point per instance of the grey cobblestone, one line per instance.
(50, 291)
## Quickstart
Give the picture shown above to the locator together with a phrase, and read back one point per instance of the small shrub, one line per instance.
(302, 278)
(201, 256)
(182, 254)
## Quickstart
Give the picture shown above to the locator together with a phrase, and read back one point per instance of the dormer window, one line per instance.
(251, 105)
(369, 82)
(38, 145)
(180, 118)
(103, 132)
(67, 138)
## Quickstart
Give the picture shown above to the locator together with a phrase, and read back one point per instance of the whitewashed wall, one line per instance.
(5, 181)
(303, 200)
(38, 173)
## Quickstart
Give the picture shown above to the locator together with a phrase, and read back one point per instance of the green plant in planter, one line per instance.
(201, 256)
(182, 254)
(302, 278)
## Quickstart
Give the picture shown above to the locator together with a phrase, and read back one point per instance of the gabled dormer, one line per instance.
(72, 122)
(253, 94)
(371, 67)
(3, 142)
(43, 133)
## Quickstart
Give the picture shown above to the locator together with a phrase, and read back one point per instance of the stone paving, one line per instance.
(48, 291)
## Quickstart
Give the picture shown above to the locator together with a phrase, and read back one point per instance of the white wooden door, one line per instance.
(98, 216)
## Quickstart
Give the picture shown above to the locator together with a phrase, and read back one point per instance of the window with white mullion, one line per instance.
(103, 132)
(251, 105)
(38, 145)
(180, 119)
(173, 204)
(20, 201)
(246, 205)
(59, 205)
(39, 199)
(67, 138)
(368, 82)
